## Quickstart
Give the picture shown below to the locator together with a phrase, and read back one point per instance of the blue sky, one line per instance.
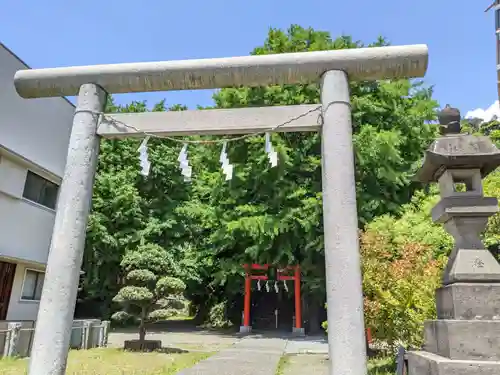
(53, 33)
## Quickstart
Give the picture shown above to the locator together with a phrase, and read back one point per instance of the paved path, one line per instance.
(307, 345)
(252, 355)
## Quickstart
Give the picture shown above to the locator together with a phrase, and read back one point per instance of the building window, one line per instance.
(39, 190)
(32, 286)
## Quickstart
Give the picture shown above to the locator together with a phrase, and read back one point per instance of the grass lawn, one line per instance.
(318, 364)
(282, 364)
(180, 317)
(114, 362)
(382, 366)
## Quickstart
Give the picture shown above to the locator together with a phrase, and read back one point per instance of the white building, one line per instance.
(34, 137)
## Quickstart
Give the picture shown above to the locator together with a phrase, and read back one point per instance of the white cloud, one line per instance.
(485, 115)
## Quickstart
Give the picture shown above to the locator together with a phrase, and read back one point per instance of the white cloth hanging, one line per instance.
(271, 153)
(227, 168)
(144, 157)
(186, 169)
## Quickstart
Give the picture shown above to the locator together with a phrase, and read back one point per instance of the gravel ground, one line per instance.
(197, 340)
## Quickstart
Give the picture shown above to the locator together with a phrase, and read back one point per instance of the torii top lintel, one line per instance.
(259, 70)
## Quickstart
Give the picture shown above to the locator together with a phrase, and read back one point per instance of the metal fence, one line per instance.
(16, 338)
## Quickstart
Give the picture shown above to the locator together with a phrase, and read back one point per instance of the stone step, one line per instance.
(463, 339)
(424, 363)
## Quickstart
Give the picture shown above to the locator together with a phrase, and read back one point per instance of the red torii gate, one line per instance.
(281, 276)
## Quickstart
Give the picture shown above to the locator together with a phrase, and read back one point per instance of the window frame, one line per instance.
(34, 299)
(46, 183)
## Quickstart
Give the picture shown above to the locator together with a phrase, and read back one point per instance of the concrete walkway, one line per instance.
(236, 355)
(252, 355)
(307, 345)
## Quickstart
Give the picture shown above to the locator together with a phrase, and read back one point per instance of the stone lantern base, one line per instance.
(465, 339)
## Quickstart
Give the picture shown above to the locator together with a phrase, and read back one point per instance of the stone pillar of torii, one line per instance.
(332, 69)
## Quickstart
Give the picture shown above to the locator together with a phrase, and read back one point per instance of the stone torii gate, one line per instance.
(346, 338)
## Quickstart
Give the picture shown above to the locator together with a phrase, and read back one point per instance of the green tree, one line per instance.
(492, 182)
(391, 121)
(274, 215)
(116, 218)
(265, 215)
(151, 294)
(129, 209)
(402, 262)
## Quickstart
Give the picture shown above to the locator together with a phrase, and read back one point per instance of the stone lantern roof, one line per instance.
(454, 150)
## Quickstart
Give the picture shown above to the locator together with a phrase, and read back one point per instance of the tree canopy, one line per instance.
(150, 292)
(263, 215)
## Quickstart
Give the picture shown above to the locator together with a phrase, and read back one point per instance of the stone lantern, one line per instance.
(465, 339)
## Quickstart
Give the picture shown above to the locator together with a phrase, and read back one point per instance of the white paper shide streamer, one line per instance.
(271, 153)
(144, 157)
(186, 169)
(227, 168)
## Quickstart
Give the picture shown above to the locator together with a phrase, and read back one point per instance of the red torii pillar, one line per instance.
(297, 329)
(248, 291)
(246, 327)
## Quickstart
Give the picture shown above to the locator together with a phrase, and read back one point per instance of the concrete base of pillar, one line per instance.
(298, 331)
(475, 340)
(425, 363)
(245, 329)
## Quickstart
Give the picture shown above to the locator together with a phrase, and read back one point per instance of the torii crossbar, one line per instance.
(346, 338)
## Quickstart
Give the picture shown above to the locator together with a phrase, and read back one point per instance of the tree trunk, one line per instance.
(142, 331)
(202, 313)
(142, 326)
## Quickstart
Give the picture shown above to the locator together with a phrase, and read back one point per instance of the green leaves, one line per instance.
(122, 317)
(160, 314)
(150, 257)
(169, 286)
(275, 215)
(199, 234)
(141, 277)
(152, 292)
(135, 295)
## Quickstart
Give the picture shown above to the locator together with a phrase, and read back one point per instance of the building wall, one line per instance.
(34, 136)
(36, 129)
(20, 309)
(25, 227)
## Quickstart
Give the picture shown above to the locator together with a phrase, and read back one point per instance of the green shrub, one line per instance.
(150, 295)
(217, 316)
